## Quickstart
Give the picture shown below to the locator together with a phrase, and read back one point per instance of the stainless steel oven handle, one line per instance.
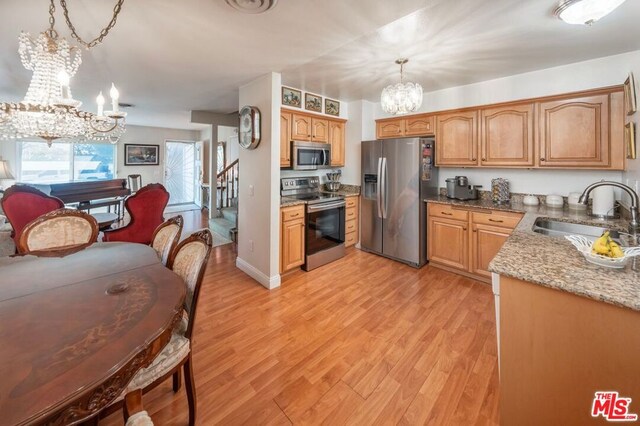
(379, 189)
(311, 208)
(324, 157)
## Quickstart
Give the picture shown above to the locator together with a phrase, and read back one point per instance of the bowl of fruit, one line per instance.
(604, 251)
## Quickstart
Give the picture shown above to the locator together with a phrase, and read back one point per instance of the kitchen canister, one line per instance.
(500, 190)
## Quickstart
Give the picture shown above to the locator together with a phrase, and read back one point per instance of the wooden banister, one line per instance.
(226, 169)
(227, 185)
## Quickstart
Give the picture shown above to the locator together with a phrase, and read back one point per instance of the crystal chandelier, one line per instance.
(585, 12)
(48, 110)
(401, 98)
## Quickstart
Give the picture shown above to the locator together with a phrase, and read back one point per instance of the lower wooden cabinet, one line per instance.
(467, 240)
(292, 237)
(351, 219)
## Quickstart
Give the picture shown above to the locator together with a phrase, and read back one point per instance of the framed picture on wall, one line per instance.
(291, 97)
(630, 103)
(312, 102)
(141, 155)
(630, 139)
(332, 107)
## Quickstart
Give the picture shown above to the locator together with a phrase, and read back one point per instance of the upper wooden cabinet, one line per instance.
(506, 135)
(574, 132)
(300, 127)
(319, 130)
(336, 139)
(419, 125)
(285, 139)
(399, 127)
(457, 138)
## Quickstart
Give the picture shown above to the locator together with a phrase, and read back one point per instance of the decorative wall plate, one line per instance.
(249, 129)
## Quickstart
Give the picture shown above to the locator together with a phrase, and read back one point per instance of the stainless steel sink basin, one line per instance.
(556, 228)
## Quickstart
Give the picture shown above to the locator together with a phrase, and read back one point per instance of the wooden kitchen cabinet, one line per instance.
(389, 128)
(506, 135)
(457, 139)
(319, 130)
(420, 125)
(292, 237)
(351, 219)
(466, 240)
(336, 139)
(285, 139)
(301, 127)
(416, 125)
(574, 132)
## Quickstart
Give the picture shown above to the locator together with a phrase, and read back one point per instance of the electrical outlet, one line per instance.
(251, 245)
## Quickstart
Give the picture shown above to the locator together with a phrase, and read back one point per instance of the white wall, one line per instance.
(229, 135)
(591, 74)
(631, 176)
(258, 212)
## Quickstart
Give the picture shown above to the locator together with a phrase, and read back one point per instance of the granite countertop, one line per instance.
(553, 261)
(288, 202)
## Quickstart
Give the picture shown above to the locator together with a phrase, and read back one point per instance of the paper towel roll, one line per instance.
(603, 201)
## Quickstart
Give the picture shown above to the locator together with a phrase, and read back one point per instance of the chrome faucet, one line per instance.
(634, 225)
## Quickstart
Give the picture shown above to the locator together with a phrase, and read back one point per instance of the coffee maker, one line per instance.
(459, 188)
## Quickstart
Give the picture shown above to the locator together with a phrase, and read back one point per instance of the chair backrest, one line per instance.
(146, 208)
(189, 260)
(135, 182)
(22, 204)
(166, 237)
(58, 233)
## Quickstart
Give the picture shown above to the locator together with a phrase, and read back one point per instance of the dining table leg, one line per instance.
(132, 403)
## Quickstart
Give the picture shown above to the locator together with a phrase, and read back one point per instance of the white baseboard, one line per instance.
(265, 280)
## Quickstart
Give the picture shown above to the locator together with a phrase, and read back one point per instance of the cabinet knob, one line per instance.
(474, 159)
(464, 228)
(484, 159)
(542, 159)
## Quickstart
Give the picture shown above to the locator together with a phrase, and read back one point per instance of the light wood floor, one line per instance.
(363, 340)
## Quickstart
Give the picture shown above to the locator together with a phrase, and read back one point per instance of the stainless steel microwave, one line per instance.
(310, 155)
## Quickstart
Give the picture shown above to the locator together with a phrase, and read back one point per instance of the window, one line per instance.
(65, 161)
(221, 157)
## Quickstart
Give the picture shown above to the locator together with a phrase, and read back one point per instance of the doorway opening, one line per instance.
(182, 173)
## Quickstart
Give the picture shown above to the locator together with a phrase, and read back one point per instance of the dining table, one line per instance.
(74, 330)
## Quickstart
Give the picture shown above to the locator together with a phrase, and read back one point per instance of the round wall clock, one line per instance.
(249, 132)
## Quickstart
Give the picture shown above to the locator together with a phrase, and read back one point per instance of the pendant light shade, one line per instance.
(401, 98)
(585, 12)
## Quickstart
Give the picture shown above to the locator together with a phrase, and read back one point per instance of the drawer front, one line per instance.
(351, 226)
(293, 213)
(351, 213)
(350, 239)
(447, 212)
(502, 219)
(351, 201)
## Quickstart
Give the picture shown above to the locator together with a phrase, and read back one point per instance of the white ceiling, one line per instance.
(169, 57)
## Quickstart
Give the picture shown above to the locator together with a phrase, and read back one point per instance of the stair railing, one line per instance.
(227, 185)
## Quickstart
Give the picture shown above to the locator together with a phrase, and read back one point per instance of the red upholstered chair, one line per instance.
(145, 208)
(23, 203)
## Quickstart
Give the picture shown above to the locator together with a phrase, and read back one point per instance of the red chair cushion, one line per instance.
(23, 207)
(145, 208)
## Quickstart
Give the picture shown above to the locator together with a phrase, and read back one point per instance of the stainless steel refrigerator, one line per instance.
(397, 174)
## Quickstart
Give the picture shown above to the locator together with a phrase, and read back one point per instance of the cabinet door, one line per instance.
(301, 128)
(457, 139)
(292, 245)
(486, 241)
(419, 126)
(336, 139)
(448, 242)
(390, 128)
(319, 130)
(574, 132)
(285, 139)
(506, 136)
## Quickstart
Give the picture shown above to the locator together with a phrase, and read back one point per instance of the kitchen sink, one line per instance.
(556, 228)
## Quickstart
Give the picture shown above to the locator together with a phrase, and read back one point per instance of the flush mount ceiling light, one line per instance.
(585, 12)
(252, 6)
(401, 98)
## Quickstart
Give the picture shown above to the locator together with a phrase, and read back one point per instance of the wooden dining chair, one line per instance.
(188, 260)
(141, 418)
(58, 233)
(166, 237)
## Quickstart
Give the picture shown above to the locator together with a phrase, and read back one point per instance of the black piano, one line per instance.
(88, 194)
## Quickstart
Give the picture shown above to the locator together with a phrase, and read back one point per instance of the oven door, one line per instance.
(325, 226)
(311, 156)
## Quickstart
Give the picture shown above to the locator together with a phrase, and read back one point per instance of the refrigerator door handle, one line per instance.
(383, 198)
(379, 189)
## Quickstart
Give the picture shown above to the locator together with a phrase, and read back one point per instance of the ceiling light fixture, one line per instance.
(585, 12)
(401, 98)
(252, 6)
(48, 110)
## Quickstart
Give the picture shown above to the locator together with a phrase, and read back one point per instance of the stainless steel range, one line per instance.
(324, 220)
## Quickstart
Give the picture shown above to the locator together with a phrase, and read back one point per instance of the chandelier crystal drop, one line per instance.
(48, 110)
(401, 98)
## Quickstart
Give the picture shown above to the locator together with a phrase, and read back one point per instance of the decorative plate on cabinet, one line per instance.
(249, 132)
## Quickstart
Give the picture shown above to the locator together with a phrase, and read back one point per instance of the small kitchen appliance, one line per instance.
(459, 188)
(310, 155)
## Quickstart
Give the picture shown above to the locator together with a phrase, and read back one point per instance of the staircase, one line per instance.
(226, 222)
(223, 224)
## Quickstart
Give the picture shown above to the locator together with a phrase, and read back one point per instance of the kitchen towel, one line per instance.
(603, 201)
